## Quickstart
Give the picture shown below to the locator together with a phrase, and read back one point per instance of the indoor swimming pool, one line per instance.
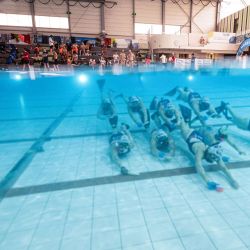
(60, 190)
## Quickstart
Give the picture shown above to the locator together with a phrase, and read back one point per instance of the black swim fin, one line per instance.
(172, 92)
(101, 83)
(186, 113)
(154, 103)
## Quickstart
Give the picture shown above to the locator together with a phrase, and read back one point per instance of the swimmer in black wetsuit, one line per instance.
(201, 152)
(241, 122)
(196, 102)
(165, 112)
(107, 108)
(137, 111)
(161, 144)
(121, 143)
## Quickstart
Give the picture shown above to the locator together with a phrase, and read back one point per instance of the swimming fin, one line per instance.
(171, 92)
(101, 83)
(186, 113)
(154, 103)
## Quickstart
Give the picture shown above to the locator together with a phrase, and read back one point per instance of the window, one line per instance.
(172, 29)
(15, 20)
(52, 22)
(144, 28)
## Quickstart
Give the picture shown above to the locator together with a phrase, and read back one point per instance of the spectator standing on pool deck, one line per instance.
(122, 58)
(163, 59)
(45, 59)
(55, 57)
(172, 58)
(26, 59)
(130, 58)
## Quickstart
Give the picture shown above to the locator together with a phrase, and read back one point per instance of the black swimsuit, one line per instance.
(193, 138)
(193, 95)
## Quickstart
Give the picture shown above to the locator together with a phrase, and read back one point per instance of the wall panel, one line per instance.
(85, 20)
(11, 7)
(177, 14)
(204, 19)
(50, 9)
(148, 11)
(119, 20)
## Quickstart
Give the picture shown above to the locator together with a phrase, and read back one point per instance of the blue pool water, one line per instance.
(60, 190)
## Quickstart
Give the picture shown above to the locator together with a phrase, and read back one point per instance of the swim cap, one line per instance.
(134, 99)
(223, 130)
(213, 153)
(107, 100)
(205, 99)
(123, 145)
(162, 137)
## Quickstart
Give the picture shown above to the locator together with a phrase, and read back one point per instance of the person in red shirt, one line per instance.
(25, 59)
(147, 60)
(172, 58)
(37, 50)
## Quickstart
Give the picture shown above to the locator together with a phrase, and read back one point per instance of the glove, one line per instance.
(214, 186)
(225, 158)
(203, 117)
(124, 171)
(139, 125)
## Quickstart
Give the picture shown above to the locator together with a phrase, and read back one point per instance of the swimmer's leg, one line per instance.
(156, 119)
(185, 129)
(186, 113)
(101, 83)
(239, 121)
(195, 104)
(113, 121)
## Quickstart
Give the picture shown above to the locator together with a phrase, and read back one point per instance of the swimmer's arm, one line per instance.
(114, 156)
(131, 140)
(178, 116)
(144, 110)
(133, 116)
(99, 113)
(172, 146)
(198, 165)
(153, 148)
(234, 146)
(124, 98)
(164, 117)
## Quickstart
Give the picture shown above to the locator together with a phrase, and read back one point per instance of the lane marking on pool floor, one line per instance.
(65, 185)
(13, 175)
